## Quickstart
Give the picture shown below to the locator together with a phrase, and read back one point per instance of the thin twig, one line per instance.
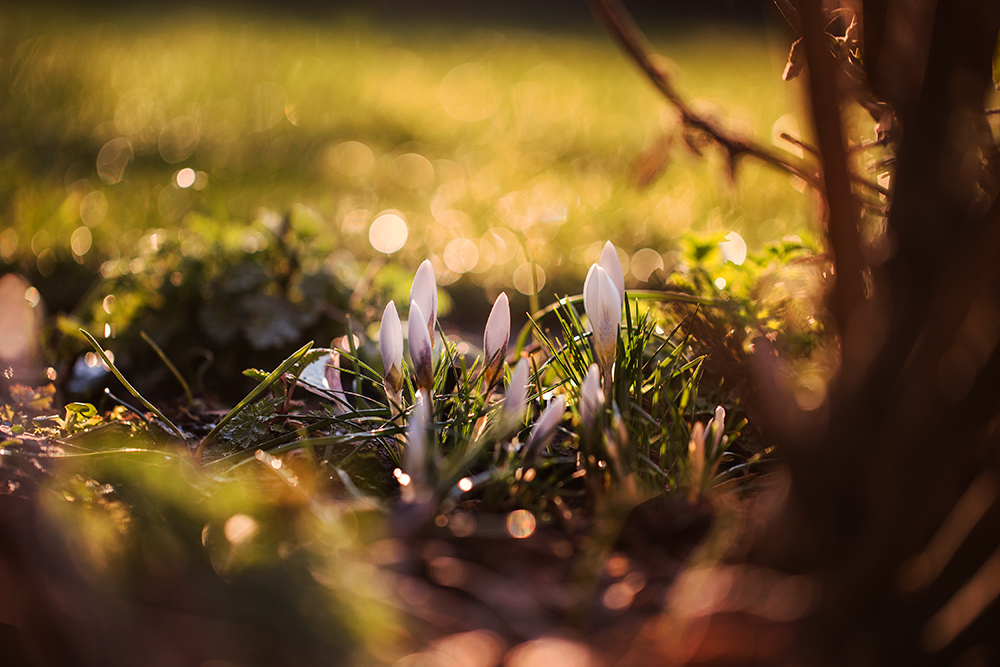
(856, 178)
(619, 23)
(844, 214)
(865, 145)
(798, 142)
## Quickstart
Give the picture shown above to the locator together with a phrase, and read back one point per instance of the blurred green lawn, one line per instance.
(429, 141)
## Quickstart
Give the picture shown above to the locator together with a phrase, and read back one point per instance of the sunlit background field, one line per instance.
(132, 144)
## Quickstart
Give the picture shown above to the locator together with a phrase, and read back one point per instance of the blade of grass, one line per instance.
(264, 384)
(132, 390)
(170, 366)
(664, 296)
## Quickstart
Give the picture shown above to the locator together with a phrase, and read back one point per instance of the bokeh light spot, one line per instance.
(32, 296)
(178, 139)
(550, 652)
(644, 262)
(185, 177)
(461, 255)
(521, 524)
(522, 278)
(411, 171)
(240, 528)
(93, 208)
(734, 248)
(81, 241)
(114, 159)
(352, 159)
(388, 232)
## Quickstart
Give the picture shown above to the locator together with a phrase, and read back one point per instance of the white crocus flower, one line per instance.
(516, 401)
(610, 263)
(415, 461)
(424, 292)
(495, 339)
(545, 428)
(390, 345)
(603, 304)
(591, 397)
(420, 348)
(716, 427)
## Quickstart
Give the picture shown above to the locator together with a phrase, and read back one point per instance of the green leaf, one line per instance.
(258, 390)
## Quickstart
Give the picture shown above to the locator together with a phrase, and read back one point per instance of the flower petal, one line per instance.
(516, 401)
(495, 339)
(390, 345)
(610, 263)
(590, 292)
(545, 428)
(607, 318)
(424, 292)
(420, 348)
(591, 396)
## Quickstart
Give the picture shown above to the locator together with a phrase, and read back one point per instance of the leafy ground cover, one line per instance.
(433, 500)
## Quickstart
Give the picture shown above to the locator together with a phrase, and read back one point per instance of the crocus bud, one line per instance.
(591, 397)
(415, 461)
(424, 292)
(610, 263)
(390, 344)
(545, 428)
(696, 457)
(495, 340)
(603, 304)
(516, 401)
(420, 348)
(716, 427)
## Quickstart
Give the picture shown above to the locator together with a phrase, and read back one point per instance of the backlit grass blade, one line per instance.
(170, 366)
(132, 390)
(258, 390)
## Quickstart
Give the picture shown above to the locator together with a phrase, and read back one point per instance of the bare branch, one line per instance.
(619, 23)
(844, 236)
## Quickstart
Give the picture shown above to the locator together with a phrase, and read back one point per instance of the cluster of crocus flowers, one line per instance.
(603, 298)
